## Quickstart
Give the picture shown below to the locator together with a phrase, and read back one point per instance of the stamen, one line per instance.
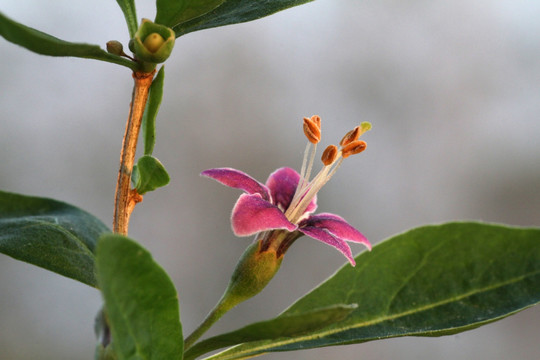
(312, 130)
(311, 126)
(332, 158)
(317, 120)
(306, 165)
(351, 136)
(303, 198)
(353, 148)
(304, 162)
(334, 170)
(306, 196)
(310, 163)
(329, 155)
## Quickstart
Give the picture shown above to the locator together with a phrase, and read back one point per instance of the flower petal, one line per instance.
(253, 214)
(327, 238)
(239, 180)
(337, 226)
(282, 184)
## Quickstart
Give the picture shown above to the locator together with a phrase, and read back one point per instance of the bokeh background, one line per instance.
(452, 89)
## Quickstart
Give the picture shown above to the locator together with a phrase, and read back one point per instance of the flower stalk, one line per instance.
(254, 270)
(125, 197)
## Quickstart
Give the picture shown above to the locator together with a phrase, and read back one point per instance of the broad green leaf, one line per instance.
(280, 327)
(430, 281)
(140, 301)
(151, 110)
(149, 174)
(50, 234)
(233, 12)
(45, 44)
(130, 13)
(174, 12)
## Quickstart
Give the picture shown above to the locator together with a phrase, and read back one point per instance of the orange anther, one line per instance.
(353, 148)
(329, 155)
(312, 130)
(317, 120)
(351, 136)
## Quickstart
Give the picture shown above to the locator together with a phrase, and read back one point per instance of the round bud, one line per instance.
(115, 47)
(153, 42)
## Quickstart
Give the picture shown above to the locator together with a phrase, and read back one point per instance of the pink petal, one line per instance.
(252, 214)
(239, 180)
(282, 184)
(327, 238)
(337, 226)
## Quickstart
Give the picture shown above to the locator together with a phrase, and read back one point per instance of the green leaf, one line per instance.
(45, 44)
(430, 281)
(140, 301)
(149, 174)
(174, 12)
(233, 12)
(280, 327)
(50, 234)
(130, 13)
(151, 110)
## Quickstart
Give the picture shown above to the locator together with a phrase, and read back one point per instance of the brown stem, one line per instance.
(126, 198)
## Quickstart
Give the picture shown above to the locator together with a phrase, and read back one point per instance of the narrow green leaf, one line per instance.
(281, 327)
(140, 300)
(233, 12)
(50, 234)
(174, 12)
(45, 44)
(430, 281)
(151, 110)
(130, 13)
(149, 174)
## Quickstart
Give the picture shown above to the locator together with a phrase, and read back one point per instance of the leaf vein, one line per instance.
(263, 347)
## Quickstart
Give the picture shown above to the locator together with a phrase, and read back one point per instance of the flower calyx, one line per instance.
(152, 43)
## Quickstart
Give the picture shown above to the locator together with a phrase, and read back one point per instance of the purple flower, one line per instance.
(282, 209)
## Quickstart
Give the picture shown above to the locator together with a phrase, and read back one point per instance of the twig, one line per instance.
(125, 197)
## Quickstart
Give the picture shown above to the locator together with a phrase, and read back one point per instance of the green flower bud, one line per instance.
(153, 43)
(253, 272)
(115, 47)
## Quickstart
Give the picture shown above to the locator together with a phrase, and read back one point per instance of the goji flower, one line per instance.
(281, 210)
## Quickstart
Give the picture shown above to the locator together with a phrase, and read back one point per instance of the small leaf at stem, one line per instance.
(140, 301)
(151, 110)
(149, 174)
(50, 234)
(130, 13)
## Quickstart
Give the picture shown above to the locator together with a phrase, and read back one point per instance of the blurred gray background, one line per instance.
(452, 89)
